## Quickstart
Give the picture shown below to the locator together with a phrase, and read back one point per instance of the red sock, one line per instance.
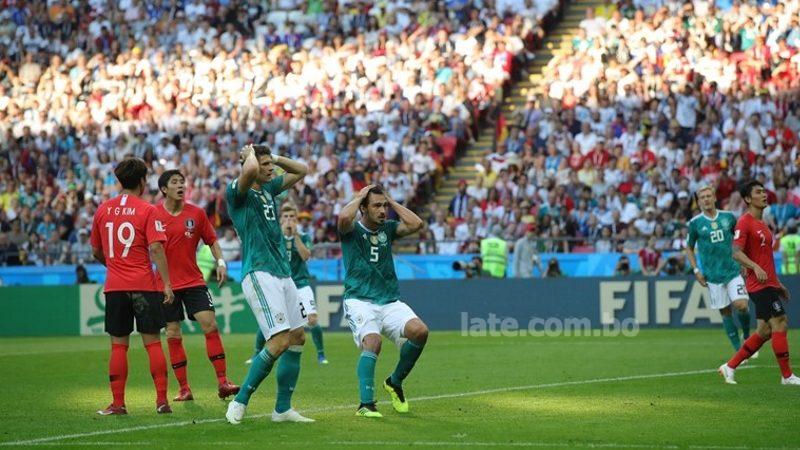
(216, 354)
(118, 372)
(750, 346)
(781, 348)
(177, 357)
(158, 369)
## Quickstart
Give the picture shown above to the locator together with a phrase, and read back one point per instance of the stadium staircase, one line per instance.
(556, 42)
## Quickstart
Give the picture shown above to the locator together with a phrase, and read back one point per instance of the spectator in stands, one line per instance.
(230, 245)
(623, 267)
(81, 249)
(553, 269)
(650, 259)
(525, 256)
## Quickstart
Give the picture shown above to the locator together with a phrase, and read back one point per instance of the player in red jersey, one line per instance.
(752, 248)
(126, 237)
(185, 226)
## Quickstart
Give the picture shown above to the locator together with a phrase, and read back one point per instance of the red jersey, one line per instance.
(649, 258)
(755, 240)
(123, 228)
(184, 232)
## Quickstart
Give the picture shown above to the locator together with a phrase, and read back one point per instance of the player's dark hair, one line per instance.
(130, 172)
(163, 180)
(378, 190)
(259, 150)
(747, 189)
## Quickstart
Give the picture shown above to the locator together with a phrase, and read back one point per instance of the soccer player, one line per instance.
(267, 281)
(712, 232)
(127, 238)
(371, 296)
(298, 251)
(752, 248)
(186, 225)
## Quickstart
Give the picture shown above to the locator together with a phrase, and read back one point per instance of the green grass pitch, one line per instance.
(658, 389)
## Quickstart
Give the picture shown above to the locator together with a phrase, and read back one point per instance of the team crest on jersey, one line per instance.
(714, 225)
(382, 237)
(373, 239)
(189, 228)
(280, 318)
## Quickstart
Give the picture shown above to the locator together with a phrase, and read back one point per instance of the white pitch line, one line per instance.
(570, 444)
(42, 440)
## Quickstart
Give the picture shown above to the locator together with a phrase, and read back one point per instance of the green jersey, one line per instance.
(714, 240)
(368, 263)
(790, 244)
(255, 218)
(299, 267)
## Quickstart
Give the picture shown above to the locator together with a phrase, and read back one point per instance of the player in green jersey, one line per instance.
(371, 295)
(267, 282)
(712, 232)
(298, 250)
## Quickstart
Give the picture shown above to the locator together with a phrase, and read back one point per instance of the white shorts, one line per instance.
(367, 318)
(274, 302)
(723, 295)
(306, 297)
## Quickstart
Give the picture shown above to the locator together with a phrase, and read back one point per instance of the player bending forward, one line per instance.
(185, 226)
(267, 281)
(371, 296)
(752, 248)
(712, 232)
(126, 237)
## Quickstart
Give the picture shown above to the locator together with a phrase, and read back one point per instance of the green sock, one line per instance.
(731, 331)
(366, 376)
(288, 372)
(744, 321)
(260, 342)
(409, 354)
(262, 364)
(316, 336)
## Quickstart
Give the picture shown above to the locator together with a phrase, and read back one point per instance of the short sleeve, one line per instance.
(740, 234)
(233, 196)
(275, 186)
(692, 240)
(306, 239)
(207, 231)
(154, 228)
(391, 229)
(94, 238)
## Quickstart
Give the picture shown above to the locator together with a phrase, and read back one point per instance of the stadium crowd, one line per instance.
(653, 100)
(361, 91)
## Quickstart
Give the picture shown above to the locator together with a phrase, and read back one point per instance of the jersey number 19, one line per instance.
(125, 235)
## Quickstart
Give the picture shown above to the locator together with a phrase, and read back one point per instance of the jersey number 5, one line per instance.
(125, 235)
(373, 254)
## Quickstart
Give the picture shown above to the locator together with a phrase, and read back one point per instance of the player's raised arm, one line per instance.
(410, 223)
(295, 171)
(249, 169)
(302, 250)
(348, 213)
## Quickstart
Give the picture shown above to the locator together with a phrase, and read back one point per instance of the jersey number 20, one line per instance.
(717, 236)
